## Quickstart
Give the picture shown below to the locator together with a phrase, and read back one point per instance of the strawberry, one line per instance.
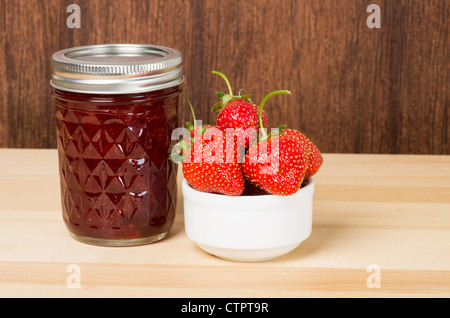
(238, 113)
(205, 164)
(315, 159)
(209, 172)
(277, 164)
(278, 167)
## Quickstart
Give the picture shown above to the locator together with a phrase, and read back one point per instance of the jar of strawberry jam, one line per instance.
(116, 107)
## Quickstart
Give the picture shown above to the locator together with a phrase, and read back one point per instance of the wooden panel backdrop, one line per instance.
(355, 89)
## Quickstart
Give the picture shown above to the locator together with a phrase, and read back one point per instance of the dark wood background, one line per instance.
(355, 89)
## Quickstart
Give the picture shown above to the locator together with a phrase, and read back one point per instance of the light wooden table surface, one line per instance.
(381, 228)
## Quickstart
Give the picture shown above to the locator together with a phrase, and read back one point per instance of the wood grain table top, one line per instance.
(381, 228)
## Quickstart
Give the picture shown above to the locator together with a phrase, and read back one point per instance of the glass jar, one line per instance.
(116, 106)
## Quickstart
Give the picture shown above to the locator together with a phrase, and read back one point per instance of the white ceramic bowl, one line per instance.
(248, 228)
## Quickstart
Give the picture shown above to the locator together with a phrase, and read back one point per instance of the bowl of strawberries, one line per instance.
(247, 192)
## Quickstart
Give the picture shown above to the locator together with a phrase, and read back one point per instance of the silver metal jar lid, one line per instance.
(116, 68)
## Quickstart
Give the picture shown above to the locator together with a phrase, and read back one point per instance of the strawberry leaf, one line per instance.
(180, 150)
(220, 95)
(276, 132)
(226, 99)
(217, 107)
(189, 126)
(246, 97)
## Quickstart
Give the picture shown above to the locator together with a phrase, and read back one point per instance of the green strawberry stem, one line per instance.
(226, 80)
(192, 111)
(264, 133)
(226, 98)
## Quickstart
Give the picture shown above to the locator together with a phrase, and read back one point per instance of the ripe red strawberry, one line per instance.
(209, 171)
(315, 159)
(278, 167)
(277, 164)
(238, 113)
(206, 166)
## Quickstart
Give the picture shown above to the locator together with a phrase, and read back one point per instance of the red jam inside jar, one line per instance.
(118, 187)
